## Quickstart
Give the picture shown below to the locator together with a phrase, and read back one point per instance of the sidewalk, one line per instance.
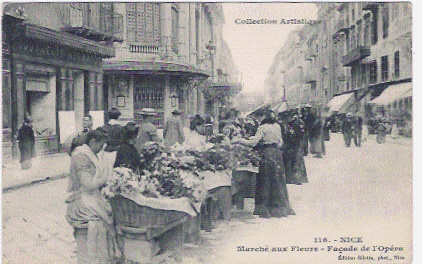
(43, 168)
(400, 140)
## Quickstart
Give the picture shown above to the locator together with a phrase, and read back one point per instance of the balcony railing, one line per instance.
(93, 21)
(139, 48)
(341, 27)
(357, 53)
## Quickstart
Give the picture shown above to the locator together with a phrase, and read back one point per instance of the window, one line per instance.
(384, 68)
(385, 20)
(366, 31)
(374, 28)
(396, 64)
(143, 23)
(313, 85)
(373, 72)
(175, 29)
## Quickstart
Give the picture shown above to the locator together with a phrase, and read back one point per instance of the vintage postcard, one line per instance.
(207, 132)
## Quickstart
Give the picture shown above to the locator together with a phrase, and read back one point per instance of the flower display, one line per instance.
(169, 177)
(149, 151)
(177, 173)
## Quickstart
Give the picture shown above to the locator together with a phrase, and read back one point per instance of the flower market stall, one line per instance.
(173, 194)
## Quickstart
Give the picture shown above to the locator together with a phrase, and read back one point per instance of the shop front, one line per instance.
(47, 75)
(163, 86)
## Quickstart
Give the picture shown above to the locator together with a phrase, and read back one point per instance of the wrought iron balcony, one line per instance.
(102, 25)
(341, 27)
(357, 53)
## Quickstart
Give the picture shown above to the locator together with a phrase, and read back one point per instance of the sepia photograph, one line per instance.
(207, 132)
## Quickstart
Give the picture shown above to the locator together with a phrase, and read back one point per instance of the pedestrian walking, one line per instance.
(173, 130)
(347, 129)
(147, 130)
(307, 119)
(26, 137)
(316, 135)
(358, 126)
(294, 163)
(127, 156)
(271, 197)
(87, 207)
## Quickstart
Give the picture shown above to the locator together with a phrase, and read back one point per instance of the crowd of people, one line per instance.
(281, 139)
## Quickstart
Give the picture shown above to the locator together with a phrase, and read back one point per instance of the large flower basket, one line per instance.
(128, 213)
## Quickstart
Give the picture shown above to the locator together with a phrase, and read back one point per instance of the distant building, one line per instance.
(356, 51)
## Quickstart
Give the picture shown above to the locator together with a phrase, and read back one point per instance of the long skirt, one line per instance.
(294, 165)
(271, 197)
(317, 144)
(27, 150)
(92, 211)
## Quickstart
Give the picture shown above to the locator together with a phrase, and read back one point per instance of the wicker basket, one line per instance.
(128, 213)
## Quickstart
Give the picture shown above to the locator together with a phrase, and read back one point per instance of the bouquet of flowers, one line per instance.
(149, 151)
(125, 181)
(178, 176)
(169, 177)
(244, 156)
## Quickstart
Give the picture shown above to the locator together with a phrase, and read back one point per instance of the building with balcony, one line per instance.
(376, 42)
(171, 55)
(52, 68)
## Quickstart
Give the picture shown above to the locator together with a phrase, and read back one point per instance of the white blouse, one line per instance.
(268, 133)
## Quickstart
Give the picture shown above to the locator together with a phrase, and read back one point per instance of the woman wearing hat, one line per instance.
(127, 155)
(147, 131)
(173, 130)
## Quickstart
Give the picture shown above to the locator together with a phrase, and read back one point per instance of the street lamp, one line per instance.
(173, 100)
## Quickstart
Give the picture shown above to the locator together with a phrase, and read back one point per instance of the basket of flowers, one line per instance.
(154, 198)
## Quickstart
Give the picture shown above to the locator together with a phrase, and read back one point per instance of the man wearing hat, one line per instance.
(173, 130)
(147, 131)
(347, 129)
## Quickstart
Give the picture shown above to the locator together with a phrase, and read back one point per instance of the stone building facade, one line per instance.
(170, 54)
(52, 68)
(356, 48)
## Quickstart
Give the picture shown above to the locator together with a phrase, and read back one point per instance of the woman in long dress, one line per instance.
(26, 139)
(271, 197)
(87, 208)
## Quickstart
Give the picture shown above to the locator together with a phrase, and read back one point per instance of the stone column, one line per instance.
(165, 10)
(192, 34)
(184, 31)
(167, 106)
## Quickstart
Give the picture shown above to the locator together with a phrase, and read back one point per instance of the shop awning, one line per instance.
(260, 108)
(340, 103)
(392, 93)
(153, 67)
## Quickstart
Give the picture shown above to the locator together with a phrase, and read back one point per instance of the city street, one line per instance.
(356, 197)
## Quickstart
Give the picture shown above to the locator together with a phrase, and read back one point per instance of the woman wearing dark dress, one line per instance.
(127, 155)
(293, 156)
(271, 197)
(26, 143)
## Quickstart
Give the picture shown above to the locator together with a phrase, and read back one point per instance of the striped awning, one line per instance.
(392, 93)
(340, 103)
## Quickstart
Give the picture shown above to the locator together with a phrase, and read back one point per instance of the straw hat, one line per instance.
(147, 112)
